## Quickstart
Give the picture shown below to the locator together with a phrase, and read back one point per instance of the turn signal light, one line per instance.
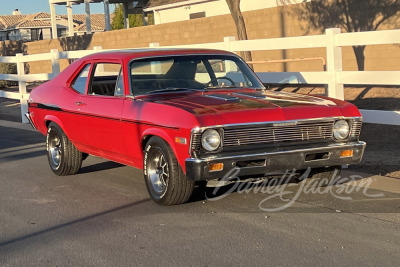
(346, 153)
(180, 140)
(216, 167)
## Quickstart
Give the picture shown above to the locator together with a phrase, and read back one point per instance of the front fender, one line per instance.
(178, 149)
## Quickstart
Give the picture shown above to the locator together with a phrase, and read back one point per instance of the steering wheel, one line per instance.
(221, 78)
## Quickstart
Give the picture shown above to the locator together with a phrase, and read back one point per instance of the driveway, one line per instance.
(103, 217)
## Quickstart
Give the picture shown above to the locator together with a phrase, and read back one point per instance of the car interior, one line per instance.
(180, 75)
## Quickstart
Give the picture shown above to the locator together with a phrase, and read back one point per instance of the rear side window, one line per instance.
(79, 84)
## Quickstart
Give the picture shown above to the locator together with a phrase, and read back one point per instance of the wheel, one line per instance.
(165, 180)
(212, 82)
(64, 158)
(325, 176)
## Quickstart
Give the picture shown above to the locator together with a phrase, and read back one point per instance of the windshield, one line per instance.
(190, 72)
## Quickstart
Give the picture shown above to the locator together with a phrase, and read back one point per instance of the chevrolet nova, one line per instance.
(188, 115)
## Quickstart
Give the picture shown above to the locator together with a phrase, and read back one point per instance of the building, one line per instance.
(129, 7)
(37, 26)
(166, 11)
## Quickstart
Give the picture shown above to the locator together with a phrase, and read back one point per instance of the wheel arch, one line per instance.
(147, 134)
(50, 118)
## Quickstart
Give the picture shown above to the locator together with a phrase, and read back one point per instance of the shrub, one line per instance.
(8, 68)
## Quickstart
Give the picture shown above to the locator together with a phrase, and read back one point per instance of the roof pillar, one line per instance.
(88, 21)
(107, 14)
(70, 19)
(53, 21)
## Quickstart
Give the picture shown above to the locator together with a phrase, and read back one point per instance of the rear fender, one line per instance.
(52, 118)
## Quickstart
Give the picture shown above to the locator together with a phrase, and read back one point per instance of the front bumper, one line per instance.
(264, 162)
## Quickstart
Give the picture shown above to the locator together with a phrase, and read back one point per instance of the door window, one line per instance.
(106, 80)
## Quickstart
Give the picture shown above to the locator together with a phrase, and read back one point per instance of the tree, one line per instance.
(135, 20)
(350, 15)
(234, 7)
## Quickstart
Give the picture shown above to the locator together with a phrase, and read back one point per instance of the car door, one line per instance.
(100, 109)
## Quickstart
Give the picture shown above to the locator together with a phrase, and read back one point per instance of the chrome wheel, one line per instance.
(54, 148)
(158, 171)
(64, 158)
(165, 180)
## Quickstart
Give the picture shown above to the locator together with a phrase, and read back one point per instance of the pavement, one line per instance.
(103, 216)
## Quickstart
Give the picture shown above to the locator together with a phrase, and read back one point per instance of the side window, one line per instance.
(104, 81)
(79, 84)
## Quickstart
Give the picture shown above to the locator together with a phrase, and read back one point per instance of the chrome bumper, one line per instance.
(279, 160)
(28, 116)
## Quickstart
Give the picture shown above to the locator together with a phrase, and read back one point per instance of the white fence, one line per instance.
(334, 76)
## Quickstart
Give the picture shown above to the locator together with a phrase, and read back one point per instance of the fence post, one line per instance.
(334, 64)
(154, 45)
(55, 62)
(228, 43)
(22, 87)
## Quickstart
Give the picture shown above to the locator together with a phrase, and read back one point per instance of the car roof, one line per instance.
(128, 54)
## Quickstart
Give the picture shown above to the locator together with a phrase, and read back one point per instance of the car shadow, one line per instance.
(107, 165)
(203, 192)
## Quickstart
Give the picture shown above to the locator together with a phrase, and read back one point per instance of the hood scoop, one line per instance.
(287, 97)
(223, 97)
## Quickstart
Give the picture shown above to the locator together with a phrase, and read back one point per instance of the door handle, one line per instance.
(78, 103)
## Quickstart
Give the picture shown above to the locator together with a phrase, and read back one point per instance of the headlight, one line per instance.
(341, 129)
(210, 140)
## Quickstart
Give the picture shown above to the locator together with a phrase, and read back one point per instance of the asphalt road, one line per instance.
(103, 217)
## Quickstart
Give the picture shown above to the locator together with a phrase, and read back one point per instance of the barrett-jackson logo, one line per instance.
(292, 123)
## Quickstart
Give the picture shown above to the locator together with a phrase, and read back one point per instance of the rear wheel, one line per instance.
(165, 180)
(64, 158)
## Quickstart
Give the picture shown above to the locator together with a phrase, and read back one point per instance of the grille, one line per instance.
(269, 133)
(196, 137)
(355, 129)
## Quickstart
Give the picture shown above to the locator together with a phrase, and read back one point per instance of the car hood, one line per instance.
(243, 106)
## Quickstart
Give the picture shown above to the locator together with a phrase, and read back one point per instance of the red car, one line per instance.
(188, 115)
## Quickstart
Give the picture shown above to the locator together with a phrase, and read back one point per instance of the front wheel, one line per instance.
(64, 158)
(165, 180)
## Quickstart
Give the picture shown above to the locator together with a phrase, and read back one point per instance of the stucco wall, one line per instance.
(211, 8)
(265, 23)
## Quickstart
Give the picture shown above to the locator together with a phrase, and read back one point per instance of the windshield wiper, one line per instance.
(171, 89)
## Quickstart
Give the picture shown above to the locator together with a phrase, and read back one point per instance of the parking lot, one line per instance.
(104, 216)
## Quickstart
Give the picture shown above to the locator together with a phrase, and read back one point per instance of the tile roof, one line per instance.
(42, 15)
(82, 28)
(34, 24)
(42, 19)
(10, 21)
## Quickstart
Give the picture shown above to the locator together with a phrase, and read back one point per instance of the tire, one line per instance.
(64, 158)
(325, 176)
(165, 180)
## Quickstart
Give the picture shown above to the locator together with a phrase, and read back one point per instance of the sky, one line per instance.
(33, 6)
